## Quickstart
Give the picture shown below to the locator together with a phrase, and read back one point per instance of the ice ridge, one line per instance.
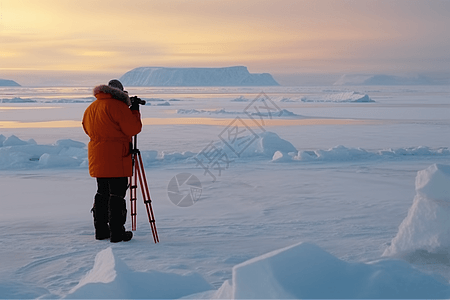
(19, 154)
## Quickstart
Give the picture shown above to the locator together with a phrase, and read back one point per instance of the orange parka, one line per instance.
(110, 124)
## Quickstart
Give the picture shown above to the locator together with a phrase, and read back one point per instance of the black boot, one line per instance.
(117, 219)
(100, 212)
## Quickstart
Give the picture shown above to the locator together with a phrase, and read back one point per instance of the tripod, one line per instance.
(138, 172)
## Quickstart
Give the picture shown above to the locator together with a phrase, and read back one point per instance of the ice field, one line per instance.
(317, 192)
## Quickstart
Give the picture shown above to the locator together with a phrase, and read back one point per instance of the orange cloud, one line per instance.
(266, 35)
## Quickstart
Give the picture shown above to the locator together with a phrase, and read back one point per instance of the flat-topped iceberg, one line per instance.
(228, 76)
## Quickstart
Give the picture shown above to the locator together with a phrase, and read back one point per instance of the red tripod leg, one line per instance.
(133, 197)
(146, 195)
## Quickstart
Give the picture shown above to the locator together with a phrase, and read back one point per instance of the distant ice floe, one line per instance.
(424, 235)
(66, 153)
(17, 100)
(287, 100)
(342, 153)
(220, 111)
(283, 113)
(276, 99)
(339, 97)
(240, 99)
(159, 101)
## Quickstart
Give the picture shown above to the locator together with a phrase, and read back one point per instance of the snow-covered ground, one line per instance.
(318, 198)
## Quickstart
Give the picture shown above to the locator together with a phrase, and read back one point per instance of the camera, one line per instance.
(136, 99)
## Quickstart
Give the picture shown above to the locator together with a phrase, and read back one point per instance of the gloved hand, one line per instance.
(134, 105)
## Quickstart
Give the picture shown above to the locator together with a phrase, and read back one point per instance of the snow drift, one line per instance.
(342, 153)
(18, 154)
(110, 278)
(295, 272)
(229, 76)
(306, 271)
(66, 153)
(425, 232)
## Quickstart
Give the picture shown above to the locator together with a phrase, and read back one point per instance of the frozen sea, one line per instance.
(330, 169)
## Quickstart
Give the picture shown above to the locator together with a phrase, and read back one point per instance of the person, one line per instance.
(110, 122)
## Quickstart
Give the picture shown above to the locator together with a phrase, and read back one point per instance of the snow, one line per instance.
(299, 271)
(306, 271)
(311, 209)
(279, 156)
(17, 290)
(14, 141)
(342, 153)
(16, 154)
(425, 230)
(229, 76)
(111, 278)
(269, 143)
(19, 154)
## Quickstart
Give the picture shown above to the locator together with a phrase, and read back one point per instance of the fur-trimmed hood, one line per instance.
(114, 92)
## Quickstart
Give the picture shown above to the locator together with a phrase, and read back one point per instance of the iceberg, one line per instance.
(228, 76)
(424, 233)
(6, 82)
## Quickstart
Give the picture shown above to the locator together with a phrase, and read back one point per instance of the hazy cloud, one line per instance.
(288, 36)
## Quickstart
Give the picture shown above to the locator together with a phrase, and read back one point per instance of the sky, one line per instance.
(64, 41)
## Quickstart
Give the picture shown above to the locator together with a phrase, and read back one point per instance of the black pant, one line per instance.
(112, 186)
